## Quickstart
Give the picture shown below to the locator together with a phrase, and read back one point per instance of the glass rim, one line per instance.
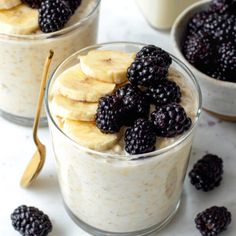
(56, 34)
(127, 157)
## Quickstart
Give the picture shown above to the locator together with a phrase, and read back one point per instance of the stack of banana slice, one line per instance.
(76, 93)
(17, 18)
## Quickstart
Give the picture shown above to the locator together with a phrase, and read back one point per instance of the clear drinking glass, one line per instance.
(109, 194)
(22, 59)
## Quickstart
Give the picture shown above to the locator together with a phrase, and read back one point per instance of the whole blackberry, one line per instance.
(198, 50)
(53, 15)
(73, 4)
(135, 104)
(32, 3)
(154, 51)
(108, 117)
(196, 22)
(207, 173)
(30, 221)
(147, 71)
(140, 138)
(222, 6)
(165, 92)
(221, 27)
(213, 220)
(215, 72)
(227, 60)
(170, 120)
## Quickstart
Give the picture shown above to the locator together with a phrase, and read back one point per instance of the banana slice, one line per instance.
(74, 110)
(19, 20)
(107, 66)
(88, 135)
(74, 84)
(7, 4)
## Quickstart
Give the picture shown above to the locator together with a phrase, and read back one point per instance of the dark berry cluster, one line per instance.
(30, 221)
(210, 40)
(207, 173)
(130, 104)
(53, 15)
(213, 221)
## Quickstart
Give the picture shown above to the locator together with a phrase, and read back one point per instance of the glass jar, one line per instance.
(161, 14)
(110, 194)
(22, 59)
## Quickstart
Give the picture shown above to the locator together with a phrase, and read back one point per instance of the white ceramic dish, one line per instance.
(219, 97)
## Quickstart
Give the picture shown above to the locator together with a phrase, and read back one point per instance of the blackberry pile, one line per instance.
(130, 104)
(53, 15)
(30, 221)
(210, 40)
(213, 221)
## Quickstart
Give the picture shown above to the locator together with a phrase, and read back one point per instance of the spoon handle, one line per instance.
(41, 96)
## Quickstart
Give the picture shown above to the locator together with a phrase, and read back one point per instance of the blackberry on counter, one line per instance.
(30, 221)
(165, 92)
(227, 60)
(135, 104)
(73, 4)
(108, 117)
(213, 221)
(140, 138)
(147, 71)
(170, 120)
(32, 3)
(154, 51)
(222, 6)
(53, 15)
(198, 50)
(207, 173)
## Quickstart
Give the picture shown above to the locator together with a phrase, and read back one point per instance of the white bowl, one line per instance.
(219, 97)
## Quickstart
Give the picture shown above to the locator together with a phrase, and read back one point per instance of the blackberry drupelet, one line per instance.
(32, 3)
(108, 117)
(53, 15)
(213, 221)
(198, 50)
(135, 104)
(30, 221)
(222, 6)
(170, 120)
(140, 138)
(165, 92)
(154, 51)
(207, 173)
(73, 4)
(227, 60)
(147, 71)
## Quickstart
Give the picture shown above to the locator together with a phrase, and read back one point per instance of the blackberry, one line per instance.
(170, 120)
(227, 60)
(213, 220)
(220, 27)
(207, 173)
(222, 6)
(154, 51)
(53, 15)
(140, 138)
(73, 4)
(196, 22)
(108, 117)
(216, 73)
(135, 104)
(165, 92)
(32, 3)
(147, 71)
(30, 221)
(198, 50)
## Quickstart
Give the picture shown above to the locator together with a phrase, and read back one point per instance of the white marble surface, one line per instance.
(120, 20)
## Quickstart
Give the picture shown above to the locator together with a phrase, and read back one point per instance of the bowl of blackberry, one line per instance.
(204, 38)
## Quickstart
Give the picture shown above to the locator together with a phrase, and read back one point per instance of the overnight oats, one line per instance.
(28, 30)
(122, 118)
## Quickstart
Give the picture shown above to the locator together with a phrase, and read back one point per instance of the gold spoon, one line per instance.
(36, 163)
